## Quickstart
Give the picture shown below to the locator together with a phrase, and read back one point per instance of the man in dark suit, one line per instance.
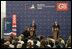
(26, 33)
(56, 29)
(33, 27)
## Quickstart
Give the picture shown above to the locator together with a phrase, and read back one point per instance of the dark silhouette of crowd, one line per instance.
(34, 42)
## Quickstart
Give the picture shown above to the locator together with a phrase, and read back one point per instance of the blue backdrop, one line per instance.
(44, 17)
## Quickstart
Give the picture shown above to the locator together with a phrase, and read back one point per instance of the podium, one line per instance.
(55, 33)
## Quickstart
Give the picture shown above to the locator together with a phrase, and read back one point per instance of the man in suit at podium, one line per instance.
(33, 27)
(55, 30)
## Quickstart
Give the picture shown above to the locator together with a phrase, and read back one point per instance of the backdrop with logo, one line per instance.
(45, 13)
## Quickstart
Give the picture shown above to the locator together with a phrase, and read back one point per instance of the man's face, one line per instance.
(31, 33)
(48, 38)
(56, 23)
(60, 39)
(19, 37)
(28, 29)
(13, 41)
(70, 37)
(33, 22)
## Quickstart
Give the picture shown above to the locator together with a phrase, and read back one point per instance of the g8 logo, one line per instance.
(62, 6)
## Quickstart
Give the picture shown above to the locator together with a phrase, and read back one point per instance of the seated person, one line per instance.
(20, 40)
(68, 44)
(61, 41)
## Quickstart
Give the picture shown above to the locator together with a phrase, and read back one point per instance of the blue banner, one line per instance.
(7, 27)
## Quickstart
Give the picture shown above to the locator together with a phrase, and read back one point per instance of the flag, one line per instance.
(14, 24)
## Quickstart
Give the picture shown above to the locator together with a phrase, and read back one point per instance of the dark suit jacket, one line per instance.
(26, 33)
